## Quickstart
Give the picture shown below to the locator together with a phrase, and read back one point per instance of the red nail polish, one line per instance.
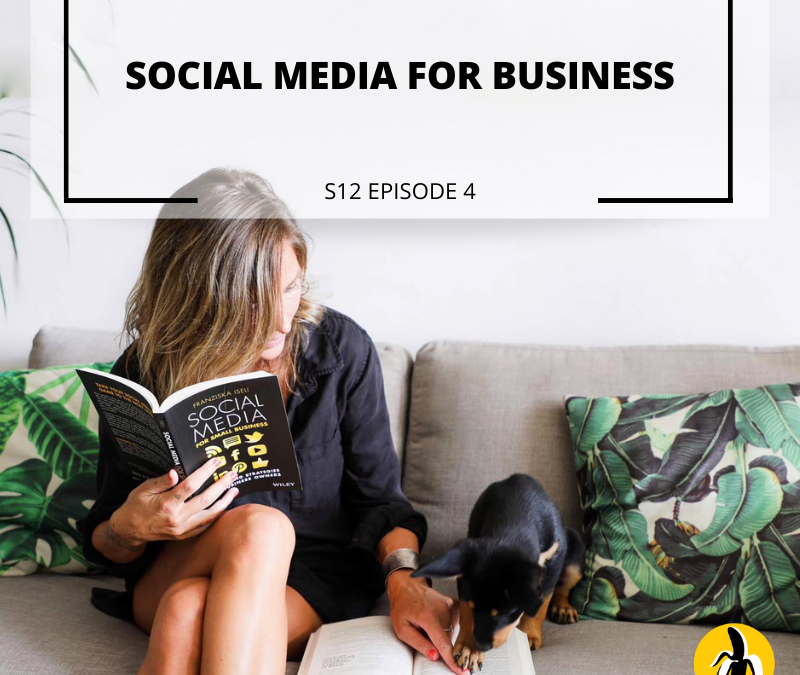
(431, 654)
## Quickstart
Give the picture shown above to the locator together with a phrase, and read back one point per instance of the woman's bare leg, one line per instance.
(180, 613)
(246, 554)
(177, 634)
(302, 621)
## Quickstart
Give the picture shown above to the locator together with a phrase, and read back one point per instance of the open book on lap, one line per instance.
(240, 418)
(369, 646)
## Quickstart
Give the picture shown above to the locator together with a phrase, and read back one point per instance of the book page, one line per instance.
(365, 646)
(513, 658)
(308, 654)
(145, 393)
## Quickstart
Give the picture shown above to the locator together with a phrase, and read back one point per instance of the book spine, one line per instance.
(173, 452)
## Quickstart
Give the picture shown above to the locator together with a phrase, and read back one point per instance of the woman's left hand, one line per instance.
(420, 616)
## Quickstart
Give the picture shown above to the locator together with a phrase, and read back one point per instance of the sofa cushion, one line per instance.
(691, 506)
(48, 459)
(55, 345)
(480, 412)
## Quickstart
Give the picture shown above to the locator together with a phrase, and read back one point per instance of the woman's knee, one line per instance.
(181, 608)
(259, 526)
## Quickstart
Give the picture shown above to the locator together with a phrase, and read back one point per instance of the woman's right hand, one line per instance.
(157, 508)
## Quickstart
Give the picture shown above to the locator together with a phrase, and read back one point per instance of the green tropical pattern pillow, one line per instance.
(691, 506)
(48, 465)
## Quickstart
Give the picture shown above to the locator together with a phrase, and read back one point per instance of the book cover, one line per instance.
(240, 418)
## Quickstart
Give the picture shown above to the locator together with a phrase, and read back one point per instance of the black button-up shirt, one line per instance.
(340, 426)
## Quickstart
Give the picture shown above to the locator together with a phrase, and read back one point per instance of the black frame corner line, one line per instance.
(97, 200)
(698, 200)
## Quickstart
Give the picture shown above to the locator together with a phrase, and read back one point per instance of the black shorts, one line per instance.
(338, 582)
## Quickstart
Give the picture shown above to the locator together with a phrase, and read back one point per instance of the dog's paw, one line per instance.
(563, 612)
(535, 642)
(466, 656)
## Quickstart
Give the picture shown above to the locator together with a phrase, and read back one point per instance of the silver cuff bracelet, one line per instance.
(402, 558)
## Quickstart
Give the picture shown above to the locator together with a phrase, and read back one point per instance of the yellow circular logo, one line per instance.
(734, 649)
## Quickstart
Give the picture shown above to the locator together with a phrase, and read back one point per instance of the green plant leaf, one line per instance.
(42, 185)
(773, 411)
(769, 592)
(788, 520)
(784, 530)
(629, 549)
(708, 401)
(773, 463)
(81, 65)
(635, 452)
(673, 539)
(659, 441)
(746, 503)
(712, 577)
(625, 529)
(10, 230)
(596, 599)
(789, 544)
(747, 431)
(40, 516)
(12, 390)
(692, 456)
(726, 606)
(612, 481)
(16, 255)
(654, 405)
(68, 446)
(599, 540)
(590, 419)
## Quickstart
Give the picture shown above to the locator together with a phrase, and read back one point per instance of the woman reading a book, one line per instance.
(227, 584)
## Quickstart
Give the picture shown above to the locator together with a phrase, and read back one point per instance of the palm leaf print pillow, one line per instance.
(691, 506)
(48, 465)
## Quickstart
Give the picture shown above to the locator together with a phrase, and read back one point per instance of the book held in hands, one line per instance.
(240, 418)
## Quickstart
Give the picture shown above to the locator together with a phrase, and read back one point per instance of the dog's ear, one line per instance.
(451, 564)
(548, 554)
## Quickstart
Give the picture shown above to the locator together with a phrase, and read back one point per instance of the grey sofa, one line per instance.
(469, 413)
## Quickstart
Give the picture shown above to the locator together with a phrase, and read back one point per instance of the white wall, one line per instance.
(577, 282)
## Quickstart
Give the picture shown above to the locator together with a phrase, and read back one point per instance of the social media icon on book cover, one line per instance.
(239, 467)
(255, 437)
(212, 450)
(256, 450)
(231, 441)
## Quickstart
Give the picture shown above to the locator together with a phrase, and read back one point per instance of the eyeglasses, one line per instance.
(298, 288)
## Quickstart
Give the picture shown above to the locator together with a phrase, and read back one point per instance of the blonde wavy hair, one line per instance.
(206, 300)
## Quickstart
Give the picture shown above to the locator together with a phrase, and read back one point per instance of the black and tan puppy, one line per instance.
(517, 561)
